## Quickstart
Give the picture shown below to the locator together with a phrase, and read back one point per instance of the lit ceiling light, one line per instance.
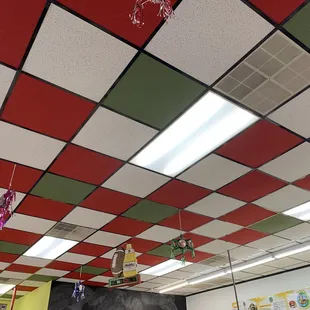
(50, 247)
(165, 267)
(208, 124)
(254, 263)
(174, 287)
(301, 212)
(4, 288)
(207, 277)
(293, 250)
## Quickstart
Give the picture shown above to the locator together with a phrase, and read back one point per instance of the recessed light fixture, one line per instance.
(165, 267)
(209, 123)
(254, 263)
(4, 288)
(50, 247)
(301, 212)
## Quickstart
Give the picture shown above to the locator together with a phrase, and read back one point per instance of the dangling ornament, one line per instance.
(137, 16)
(78, 292)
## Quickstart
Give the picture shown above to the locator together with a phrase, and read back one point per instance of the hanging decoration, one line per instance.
(79, 289)
(181, 245)
(6, 202)
(137, 16)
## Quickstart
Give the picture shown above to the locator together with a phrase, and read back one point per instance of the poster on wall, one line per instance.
(290, 300)
(3, 307)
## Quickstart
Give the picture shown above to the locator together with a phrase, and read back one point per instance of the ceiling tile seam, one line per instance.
(299, 8)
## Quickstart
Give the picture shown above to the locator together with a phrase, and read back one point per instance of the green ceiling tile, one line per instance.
(13, 248)
(149, 211)
(276, 223)
(299, 25)
(62, 189)
(152, 92)
(163, 250)
(92, 270)
(41, 278)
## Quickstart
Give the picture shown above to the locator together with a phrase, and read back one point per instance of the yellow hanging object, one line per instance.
(130, 262)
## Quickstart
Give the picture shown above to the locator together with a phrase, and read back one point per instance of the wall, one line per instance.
(223, 298)
(36, 300)
(101, 298)
(5, 302)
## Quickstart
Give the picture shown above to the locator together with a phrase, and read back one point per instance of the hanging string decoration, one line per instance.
(6, 203)
(79, 289)
(137, 16)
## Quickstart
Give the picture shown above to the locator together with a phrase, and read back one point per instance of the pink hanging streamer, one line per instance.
(137, 16)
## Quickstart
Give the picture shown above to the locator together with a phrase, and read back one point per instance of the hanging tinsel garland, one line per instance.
(137, 16)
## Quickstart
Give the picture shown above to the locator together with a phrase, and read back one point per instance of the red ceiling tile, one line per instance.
(8, 258)
(78, 276)
(198, 240)
(277, 10)
(189, 220)
(79, 163)
(25, 288)
(115, 17)
(244, 236)
(108, 274)
(259, 144)
(22, 268)
(18, 21)
(247, 215)
(44, 208)
(199, 256)
(101, 263)
(44, 108)
(304, 182)
(93, 283)
(126, 226)
(178, 194)
(109, 201)
(150, 260)
(63, 266)
(252, 186)
(23, 179)
(89, 249)
(18, 236)
(142, 245)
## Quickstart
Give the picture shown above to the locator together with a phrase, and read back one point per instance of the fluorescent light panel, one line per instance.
(208, 124)
(165, 267)
(248, 265)
(301, 212)
(174, 287)
(50, 247)
(4, 288)
(207, 277)
(293, 250)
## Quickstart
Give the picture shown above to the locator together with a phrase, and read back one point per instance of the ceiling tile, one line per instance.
(160, 234)
(52, 272)
(106, 238)
(151, 260)
(6, 78)
(178, 194)
(296, 233)
(8, 257)
(198, 240)
(62, 189)
(245, 253)
(294, 114)
(13, 248)
(22, 268)
(283, 262)
(19, 197)
(215, 205)
(92, 270)
(27, 147)
(204, 59)
(135, 181)
(64, 41)
(75, 258)
(244, 236)
(142, 245)
(42, 278)
(15, 275)
(217, 247)
(89, 249)
(259, 144)
(291, 165)
(252, 186)
(37, 106)
(137, 95)
(247, 215)
(268, 243)
(63, 266)
(32, 283)
(18, 236)
(223, 171)
(303, 182)
(32, 261)
(163, 250)
(262, 270)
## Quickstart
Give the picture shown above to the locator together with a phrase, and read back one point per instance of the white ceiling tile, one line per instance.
(217, 247)
(148, 285)
(33, 283)
(89, 218)
(178, 274)
(75, 55)
(146, 277)
(292, 165)
(15, 275)
(32, 261)
(199, 45)
(3, 265)
(296, 233)
(245, 253)
(101, 279)
(75, 258)
(268, 243)
(29, 223)
(283, 199)
(142, 267)
(109, 254)
(304, 256)
(216, 229)
(27, 147)
(159, 233)
(283, 262)
(52, 272)
(215, 205)
(135, 181)
(138, 289)
(295, 114)
(198, 268)
(6, 78)
(163, 280)
(113, 134)
(17, 201)
(262, 269)
(107, 239)
(214, 172)
(302, 264)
